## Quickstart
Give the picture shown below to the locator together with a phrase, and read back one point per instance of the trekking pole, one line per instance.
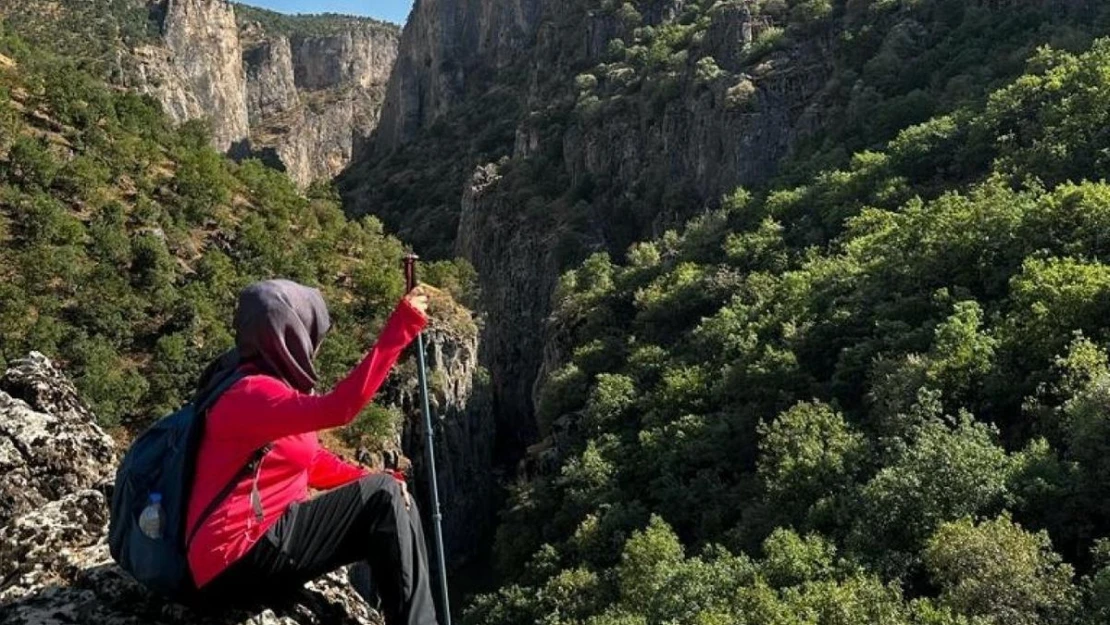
(422, 375)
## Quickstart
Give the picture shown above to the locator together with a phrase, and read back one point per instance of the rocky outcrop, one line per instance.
(463, 418)
(50, 445)
(197, 70)
(301, 102)
(54, 561)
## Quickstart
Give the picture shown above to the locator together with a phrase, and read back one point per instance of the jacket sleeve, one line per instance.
(330, 471)
(269, 409)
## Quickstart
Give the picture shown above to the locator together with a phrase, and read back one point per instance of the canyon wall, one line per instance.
(595, 182)
(443, 43)
(524, 205)
(301, 101)
(313, 99)
(196, 70)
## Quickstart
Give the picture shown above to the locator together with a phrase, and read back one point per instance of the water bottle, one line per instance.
(153, 519)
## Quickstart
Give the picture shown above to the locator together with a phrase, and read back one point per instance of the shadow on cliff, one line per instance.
(243, 150)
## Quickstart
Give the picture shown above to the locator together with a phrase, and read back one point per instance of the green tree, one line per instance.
(30, 163)
(808, 455)
(997, 570)
(948, 472)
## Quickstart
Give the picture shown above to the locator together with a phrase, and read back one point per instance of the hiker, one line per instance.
(268, 537)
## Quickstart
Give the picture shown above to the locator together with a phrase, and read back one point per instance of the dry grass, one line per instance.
(448, 315)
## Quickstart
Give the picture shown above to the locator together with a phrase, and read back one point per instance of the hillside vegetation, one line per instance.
(306, 25)
(89, 34)
(124, 241)
(875, 389)
(875, 392)
(884, 65)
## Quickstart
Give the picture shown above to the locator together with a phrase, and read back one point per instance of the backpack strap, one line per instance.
(252, 467)
(218, 392)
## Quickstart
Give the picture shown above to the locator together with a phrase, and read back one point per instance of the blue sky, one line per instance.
(396, 11)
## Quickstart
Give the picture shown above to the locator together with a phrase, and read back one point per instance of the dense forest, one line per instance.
(125, 241)
(875, 394)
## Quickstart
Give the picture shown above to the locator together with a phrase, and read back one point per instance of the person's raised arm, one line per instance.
(266, 409)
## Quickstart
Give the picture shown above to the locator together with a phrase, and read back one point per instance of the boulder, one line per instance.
(50, 445)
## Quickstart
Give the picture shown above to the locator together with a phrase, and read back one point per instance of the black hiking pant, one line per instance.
(363, 522)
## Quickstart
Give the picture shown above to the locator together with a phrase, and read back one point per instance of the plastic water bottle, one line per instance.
(153, 519)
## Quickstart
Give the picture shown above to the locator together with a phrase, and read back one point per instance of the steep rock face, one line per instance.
(271, 87)
(638, 166)
(714, 135)
(300, 91)
(442, 43)
(301, 102)
(197, 71)
(463, 419)
(361, 57)
(54, 561)
(714, 139)
(314, 99)
(518, 272)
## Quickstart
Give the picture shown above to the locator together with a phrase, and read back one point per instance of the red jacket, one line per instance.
(260, 409)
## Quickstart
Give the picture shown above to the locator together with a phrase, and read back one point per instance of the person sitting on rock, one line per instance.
(268, 537)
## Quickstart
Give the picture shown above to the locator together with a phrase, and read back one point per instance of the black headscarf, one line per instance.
(279, 326)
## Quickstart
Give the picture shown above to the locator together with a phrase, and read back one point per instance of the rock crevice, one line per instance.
(464, 428)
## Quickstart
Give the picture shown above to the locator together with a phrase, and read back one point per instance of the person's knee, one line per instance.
(380, 485)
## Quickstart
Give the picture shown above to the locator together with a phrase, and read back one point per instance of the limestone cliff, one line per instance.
(196, 69)
(312, 99)
(463, 419)
(271, 84)
(300, 92)
(443, 43)
(54, 561)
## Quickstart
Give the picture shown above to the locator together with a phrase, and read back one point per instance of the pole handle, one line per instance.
(409, 263)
